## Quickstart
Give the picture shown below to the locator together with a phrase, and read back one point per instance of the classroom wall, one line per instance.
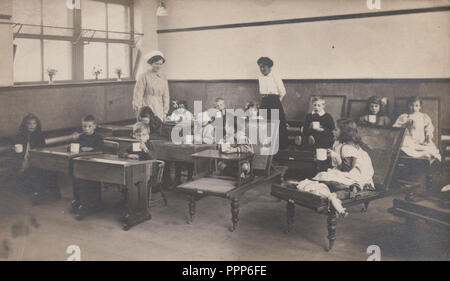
(6, 46)
(63, 106)
(402, 46)
(296, 102)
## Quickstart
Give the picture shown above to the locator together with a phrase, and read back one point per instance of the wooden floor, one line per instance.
(44, 232)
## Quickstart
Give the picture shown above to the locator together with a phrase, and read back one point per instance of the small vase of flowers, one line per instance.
(97, 71)
(51, 72)
(119, 72)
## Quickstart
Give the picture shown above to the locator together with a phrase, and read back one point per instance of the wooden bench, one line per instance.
(384, 144)
(231, 189)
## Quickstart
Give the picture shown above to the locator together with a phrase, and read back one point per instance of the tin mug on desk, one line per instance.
(321, 154)
(75, 148)
(18, 148)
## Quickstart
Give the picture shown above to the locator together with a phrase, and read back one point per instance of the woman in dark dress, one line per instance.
(272, 91)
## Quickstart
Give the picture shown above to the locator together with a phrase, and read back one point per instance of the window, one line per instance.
(49, 35)
(27, 62)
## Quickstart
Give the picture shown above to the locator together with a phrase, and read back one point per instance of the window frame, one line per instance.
(78, 43)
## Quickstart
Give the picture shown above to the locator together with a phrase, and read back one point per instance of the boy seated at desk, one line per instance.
(235, 142)
(143, 148)
(89, 140)
(87, 194)
(318, 128)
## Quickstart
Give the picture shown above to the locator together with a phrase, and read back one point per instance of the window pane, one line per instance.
(118, 20)
(94, 56)
(93, 16)
(119, 57)
(56, 13)
(58, 55)
(29, 12)
(27, 62)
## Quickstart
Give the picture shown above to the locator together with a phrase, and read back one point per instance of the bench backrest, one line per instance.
(262, 161)
(383, 147)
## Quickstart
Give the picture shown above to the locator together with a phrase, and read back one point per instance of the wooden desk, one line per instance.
(132, 174)
(56, 159)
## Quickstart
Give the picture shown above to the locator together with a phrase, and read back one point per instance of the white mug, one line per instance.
(321, 154)
(189, 139)
(316, 125)
(136, 147)
(75, 147)
(372, 119)
(18, 148)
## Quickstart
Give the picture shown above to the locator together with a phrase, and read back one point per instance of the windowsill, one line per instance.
(57, 84)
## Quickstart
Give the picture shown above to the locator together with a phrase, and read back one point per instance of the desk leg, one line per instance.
(234, 213)
(290, 212)
(332, 222)
(191, 209)
(138, 192)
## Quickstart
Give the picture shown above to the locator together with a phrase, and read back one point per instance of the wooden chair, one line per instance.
(156, 182)
(384, 144)
(203, 186)
(431, 106)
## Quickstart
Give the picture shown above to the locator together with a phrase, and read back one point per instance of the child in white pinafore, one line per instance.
(418, 140)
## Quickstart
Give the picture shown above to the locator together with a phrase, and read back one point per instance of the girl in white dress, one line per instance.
(418, 142)
(352, 166)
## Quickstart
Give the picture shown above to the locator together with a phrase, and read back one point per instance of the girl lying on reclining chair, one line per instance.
(352, 167)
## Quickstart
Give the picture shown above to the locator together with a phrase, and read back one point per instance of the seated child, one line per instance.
(87, 194)
(149, 118)
(352, 168)
(375, 113)
(318, 127)
(251, 110)
(418, 141)
(207, 134)
(38, 181)
(173, 107)
(235, 142)
(182, 114)
(145, 151)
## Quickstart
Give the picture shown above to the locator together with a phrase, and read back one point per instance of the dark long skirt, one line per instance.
(273, 102)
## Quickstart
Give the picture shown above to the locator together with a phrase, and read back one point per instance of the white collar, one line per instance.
(320, 113)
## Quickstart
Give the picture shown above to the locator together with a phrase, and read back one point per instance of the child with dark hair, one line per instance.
(87, 194)
(181, 114)
(418, 140)
(149, 118)
(30, 136)
(89, 140)
(375, 113)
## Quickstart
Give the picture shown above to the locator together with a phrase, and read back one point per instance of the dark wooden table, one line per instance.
(56, 159)
(132, 174)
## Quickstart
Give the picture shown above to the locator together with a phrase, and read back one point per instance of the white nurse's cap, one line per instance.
(152, 54)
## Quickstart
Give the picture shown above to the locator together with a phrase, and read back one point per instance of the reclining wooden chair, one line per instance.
(231, 189)
(384, 144)
(408, 166)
